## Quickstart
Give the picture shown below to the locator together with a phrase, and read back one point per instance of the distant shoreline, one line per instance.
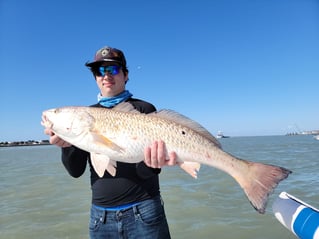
(25, 143)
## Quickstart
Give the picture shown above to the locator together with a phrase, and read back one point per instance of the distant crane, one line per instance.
(294, 129)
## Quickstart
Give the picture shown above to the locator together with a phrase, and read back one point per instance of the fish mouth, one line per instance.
(46, 122)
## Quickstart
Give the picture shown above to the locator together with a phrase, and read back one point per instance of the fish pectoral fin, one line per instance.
(104, 141)
(101, 163)
(192, 168)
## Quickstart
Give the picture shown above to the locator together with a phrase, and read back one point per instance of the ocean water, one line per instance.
(38, 199)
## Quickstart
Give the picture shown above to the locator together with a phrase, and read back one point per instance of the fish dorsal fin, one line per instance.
(172, 116)
(125, 107)
(187, 122)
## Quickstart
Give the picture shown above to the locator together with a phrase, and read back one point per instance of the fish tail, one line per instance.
(260, 181)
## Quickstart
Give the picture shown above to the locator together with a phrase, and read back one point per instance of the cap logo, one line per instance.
(104, 52)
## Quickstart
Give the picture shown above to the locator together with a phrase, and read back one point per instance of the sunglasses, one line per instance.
(103, 70)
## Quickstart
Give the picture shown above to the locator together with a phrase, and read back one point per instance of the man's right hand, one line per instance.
(56, 140)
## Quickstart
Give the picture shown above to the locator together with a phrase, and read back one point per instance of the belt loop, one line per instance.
(136, 211)
(103, 218)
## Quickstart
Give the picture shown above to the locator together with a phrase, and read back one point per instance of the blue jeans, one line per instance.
(147, 220)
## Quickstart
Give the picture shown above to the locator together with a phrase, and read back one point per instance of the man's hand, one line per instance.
(156, 156)
(56, 140)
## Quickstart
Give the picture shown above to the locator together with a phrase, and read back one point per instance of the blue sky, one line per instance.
(245, 67)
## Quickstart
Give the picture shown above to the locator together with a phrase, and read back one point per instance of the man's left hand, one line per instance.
(157, 157)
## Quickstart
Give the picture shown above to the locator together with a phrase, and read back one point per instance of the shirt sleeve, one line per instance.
(74, 160)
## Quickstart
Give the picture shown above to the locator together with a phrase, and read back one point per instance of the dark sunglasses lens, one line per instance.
(112, 70)
(97, 72)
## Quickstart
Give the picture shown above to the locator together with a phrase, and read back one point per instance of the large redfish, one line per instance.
(122, 133)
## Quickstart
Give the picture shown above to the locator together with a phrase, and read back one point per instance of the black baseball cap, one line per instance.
(108, 54)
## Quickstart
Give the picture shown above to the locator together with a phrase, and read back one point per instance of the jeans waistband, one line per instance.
(117, 208)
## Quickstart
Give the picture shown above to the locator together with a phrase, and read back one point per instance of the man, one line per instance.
(129, 204)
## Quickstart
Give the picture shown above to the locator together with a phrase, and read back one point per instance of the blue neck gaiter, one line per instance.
(110, 102)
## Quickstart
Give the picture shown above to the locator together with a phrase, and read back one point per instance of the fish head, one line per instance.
(68, 122)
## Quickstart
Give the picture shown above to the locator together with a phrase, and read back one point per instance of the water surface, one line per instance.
(40, 200)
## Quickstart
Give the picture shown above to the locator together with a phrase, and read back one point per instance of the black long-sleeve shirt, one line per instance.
(132, 182)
